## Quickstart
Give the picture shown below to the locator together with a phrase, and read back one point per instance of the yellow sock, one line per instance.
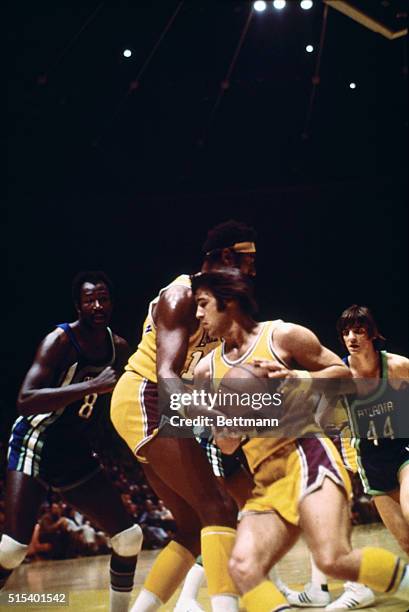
(168, 571)
(265, 597)
(217, 544)
(380, 569)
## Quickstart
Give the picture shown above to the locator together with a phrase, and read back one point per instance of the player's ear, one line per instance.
(227, 257)
(229, 304)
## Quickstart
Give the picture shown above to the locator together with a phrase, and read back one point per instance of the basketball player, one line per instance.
(359, 333)
(50, 445)
(283, 467)
(234, 477)
(381, 442)
(173, 341)
(315, 594)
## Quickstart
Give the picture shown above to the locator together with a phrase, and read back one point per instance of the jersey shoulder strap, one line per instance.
(67, 329)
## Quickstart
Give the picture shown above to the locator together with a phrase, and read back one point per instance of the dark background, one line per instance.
(127, 174)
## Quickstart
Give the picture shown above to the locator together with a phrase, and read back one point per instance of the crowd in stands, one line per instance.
(62, 532)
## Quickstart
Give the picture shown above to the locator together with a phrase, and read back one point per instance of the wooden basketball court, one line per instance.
(87, 579)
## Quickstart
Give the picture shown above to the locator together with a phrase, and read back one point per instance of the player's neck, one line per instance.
(365, 363)
(240, 336)
(88, 333)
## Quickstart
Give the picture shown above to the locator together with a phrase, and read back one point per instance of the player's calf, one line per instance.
(335, 562)
(126, 546)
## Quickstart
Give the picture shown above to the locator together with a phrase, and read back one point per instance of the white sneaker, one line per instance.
(354, 597)
(311, 597)
(403, 589)
(188, 605)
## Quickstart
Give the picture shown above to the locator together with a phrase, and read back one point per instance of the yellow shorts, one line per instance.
(134, 411)
(296, 470)
(347, 451)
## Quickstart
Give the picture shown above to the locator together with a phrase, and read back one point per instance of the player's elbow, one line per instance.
(25, 403)
(166, 372)
(342, 373)
(21, 405)
(345, 371)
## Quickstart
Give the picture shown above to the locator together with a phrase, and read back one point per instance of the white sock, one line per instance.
(317, 577)
(119, 601)
(281, 586)
(225, 603)
(146, 602)
(193, 582)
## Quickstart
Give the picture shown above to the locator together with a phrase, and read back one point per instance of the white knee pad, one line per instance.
(12, 553)
(128, 543)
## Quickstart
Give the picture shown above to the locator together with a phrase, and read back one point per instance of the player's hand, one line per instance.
(226, 440)
(273, 368)
(282, 375)
(277, 370)
(104, 382)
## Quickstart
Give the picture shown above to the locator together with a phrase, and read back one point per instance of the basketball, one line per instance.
(247, 375)
(242, 389)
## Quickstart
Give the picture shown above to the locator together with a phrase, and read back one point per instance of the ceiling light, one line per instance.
(260, 6)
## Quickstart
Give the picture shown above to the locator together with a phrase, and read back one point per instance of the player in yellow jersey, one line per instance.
(173, 341)
(315, 594)
(297, 481)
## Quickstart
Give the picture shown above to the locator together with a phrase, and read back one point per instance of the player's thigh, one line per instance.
(24, 495)
(182, 464)
(101, 501)
(392, 517)
(262, 539)
(239, 486)
(186, 519)
(325, 520)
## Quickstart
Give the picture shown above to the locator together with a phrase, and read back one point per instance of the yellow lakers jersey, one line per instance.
(143, 361)
(339, 430)
(256, 449)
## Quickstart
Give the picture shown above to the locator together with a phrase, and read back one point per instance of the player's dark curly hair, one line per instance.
(225, 235)
(359, 316)
(90, 276)
(227, 284)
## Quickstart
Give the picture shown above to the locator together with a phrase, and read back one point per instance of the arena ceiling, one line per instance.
(212, 97)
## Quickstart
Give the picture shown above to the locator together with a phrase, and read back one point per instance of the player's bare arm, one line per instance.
(398, 371)
(398, 366)
(54, 355)
(300, 348)
(174, 317)
(202, 371)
